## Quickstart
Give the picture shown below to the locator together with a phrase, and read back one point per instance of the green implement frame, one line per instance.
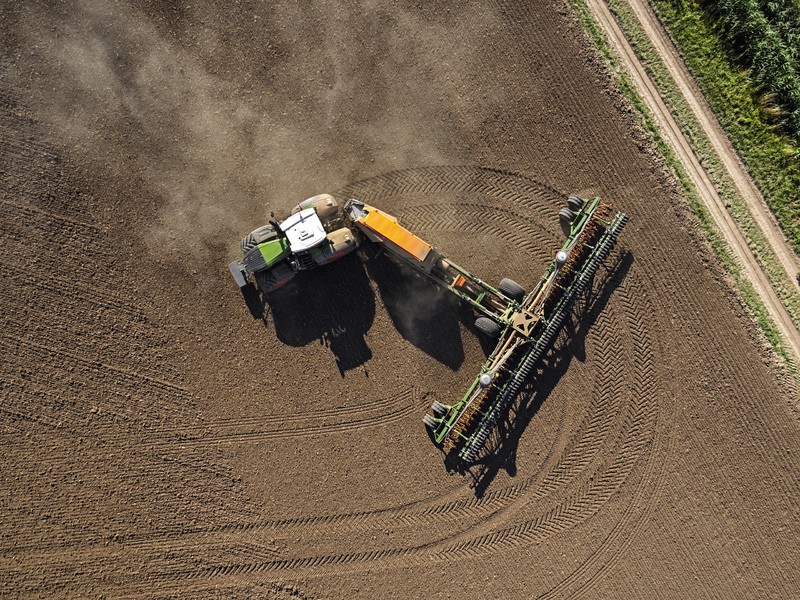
(527, 325)
(530, 330)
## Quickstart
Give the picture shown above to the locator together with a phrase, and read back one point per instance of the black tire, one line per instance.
(274, 278)
(565, 217)
(488, 327)
(511, 289)
(256, 237)
(574, 203)
(247, 243)
(429, 421)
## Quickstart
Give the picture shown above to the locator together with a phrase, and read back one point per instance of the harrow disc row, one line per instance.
(473, 414)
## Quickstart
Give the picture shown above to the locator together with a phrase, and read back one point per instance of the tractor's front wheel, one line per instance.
(256, 237)
(247, 244)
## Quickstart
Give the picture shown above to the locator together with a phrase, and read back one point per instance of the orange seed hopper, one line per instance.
(387, 227)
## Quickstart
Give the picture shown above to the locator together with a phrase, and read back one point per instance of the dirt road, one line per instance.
(732, 233)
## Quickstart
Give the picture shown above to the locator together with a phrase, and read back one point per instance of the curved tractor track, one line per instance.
(612, 446)
(619, 418)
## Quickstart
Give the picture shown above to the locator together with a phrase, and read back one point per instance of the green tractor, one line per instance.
(314, 234)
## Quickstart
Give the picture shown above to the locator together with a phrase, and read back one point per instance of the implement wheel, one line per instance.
(574, 203)
(511, 289)
(429, 421)
(565, 217)
(488, 327)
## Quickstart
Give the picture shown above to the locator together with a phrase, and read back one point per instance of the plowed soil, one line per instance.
(160, 443)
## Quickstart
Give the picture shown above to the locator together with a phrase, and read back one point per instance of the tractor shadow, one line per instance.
(500, 452)
(335, 305)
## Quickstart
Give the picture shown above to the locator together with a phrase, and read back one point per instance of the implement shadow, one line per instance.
(422, 312)
(500, 452)
(334, 305)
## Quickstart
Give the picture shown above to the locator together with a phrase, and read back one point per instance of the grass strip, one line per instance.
(711, 162)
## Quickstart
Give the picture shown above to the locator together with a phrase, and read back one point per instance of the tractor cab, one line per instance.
(304, 230)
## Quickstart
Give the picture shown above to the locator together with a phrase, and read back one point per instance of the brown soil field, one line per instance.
(160, 443)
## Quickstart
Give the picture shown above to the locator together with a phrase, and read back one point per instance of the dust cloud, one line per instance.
(211, 117)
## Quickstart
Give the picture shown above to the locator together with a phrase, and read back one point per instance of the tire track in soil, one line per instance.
(571, 511)
(123, 376)
(504, 497)
(247, 590)
(77, 460)
(173, 440)
(482, 219)
(494, 501)
(522, 29)
(496, 183)
(386, 411)
(392, 409)
(607, 555)
(600, 415)
(71, 292)
(635, 422)
(448, 510)
(14, 213)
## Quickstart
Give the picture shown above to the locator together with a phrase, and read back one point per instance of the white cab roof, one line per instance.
(303, 230)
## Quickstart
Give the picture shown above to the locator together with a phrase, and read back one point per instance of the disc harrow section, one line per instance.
(592, 233)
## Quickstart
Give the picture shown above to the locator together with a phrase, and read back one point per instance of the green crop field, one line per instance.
(744, 55)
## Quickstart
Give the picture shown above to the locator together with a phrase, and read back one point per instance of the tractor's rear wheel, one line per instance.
(488, 327)
(274, 278)
(511, 289)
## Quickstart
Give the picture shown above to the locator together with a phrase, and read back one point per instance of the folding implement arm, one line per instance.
(383, 228)
(515, 357)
